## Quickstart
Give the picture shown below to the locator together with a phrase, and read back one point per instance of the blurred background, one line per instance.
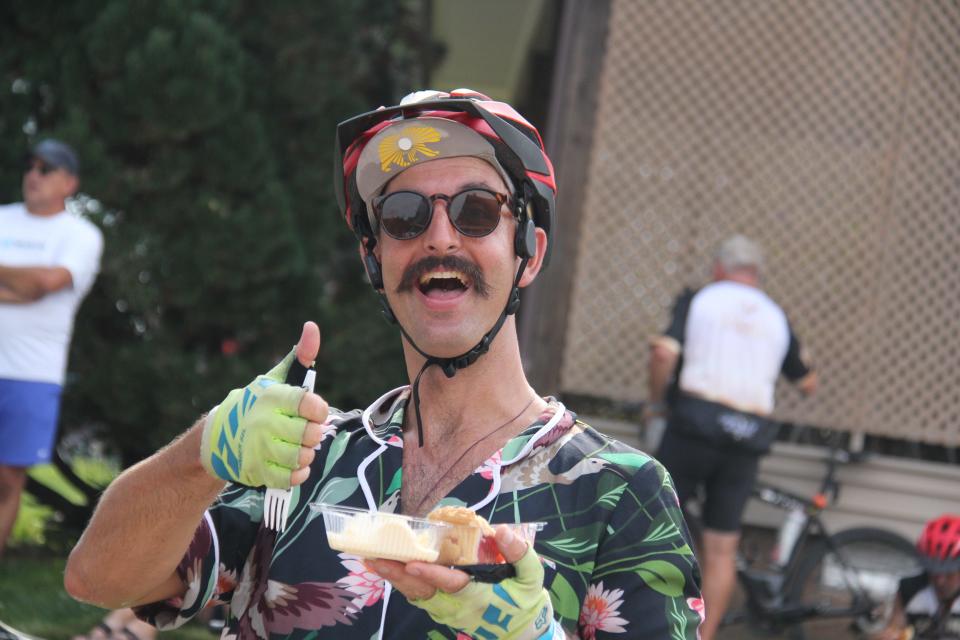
(827, 131)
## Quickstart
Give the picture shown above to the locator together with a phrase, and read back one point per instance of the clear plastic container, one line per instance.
(373, 534)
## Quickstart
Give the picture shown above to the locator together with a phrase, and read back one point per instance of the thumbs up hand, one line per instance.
(265, 433)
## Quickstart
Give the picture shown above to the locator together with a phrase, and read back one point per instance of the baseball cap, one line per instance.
(738, 251)
(57, 154)
(405, 143)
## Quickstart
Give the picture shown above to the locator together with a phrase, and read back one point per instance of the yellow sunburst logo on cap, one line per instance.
(401, 149)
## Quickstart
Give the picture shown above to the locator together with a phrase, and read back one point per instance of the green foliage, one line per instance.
(205, 132)
(32, 600)
(36, 522)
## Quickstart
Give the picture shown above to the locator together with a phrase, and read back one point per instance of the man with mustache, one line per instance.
(451, 197)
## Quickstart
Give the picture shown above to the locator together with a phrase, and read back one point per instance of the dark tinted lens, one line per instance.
(404, 214)
(42, 167)
(475, 212)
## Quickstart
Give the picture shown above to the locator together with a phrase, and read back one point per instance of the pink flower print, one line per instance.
(366, 585)
(601, 611)
(486, 469)
(395, 441)
(696, 604)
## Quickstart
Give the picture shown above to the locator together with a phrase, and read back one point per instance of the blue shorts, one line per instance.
(29, 412)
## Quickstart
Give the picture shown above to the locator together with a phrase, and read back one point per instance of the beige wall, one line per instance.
(826, 130)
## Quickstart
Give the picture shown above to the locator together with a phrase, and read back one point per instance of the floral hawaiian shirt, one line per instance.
(615, 549)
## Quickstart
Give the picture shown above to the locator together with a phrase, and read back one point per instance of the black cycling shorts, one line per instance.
(727, 474)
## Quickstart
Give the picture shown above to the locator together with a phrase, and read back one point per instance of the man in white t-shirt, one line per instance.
(49, 259)
(713, 373)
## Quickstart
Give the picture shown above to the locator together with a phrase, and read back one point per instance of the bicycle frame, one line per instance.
(767, 591)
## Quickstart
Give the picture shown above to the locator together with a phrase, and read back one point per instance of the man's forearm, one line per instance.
(9, 296)
(142, 526)
(27, 284)
(660, 373)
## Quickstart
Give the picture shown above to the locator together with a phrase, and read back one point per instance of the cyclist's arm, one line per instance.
(141, 528)
(896, 626)
(808, 384)
(798, 368)
(664, 353)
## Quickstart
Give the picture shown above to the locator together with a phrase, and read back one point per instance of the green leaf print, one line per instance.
(664, 528)
(338, 489)
(609, 490)
(564, 598)
(337, 447)
(679, 630)
(513, 447)
(662, 577)
(626, 459)
(248, 502)
(578, 542)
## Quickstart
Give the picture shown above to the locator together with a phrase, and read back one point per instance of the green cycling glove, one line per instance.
(516, 609)
(253, 437)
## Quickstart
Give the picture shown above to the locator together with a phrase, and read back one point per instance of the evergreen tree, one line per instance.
(205, 131)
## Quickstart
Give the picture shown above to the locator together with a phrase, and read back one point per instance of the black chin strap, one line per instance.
(450, 366)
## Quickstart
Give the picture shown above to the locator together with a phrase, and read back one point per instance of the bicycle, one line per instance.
(823, 582)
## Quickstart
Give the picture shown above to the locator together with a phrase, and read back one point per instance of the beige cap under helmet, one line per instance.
(399, 146)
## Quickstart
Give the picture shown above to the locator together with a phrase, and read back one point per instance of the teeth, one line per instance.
(424, 279)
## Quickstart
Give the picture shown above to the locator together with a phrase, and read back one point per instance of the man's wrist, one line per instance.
(186, 448)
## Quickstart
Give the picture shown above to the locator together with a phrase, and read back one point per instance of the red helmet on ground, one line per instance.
(939, 544)
(459, 123)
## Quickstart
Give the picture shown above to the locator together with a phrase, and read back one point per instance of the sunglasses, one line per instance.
(42, 167)
(474, 212)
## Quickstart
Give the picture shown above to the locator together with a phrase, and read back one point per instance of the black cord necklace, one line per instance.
(468, 450)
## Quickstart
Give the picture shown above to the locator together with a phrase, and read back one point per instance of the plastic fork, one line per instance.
(276, 502)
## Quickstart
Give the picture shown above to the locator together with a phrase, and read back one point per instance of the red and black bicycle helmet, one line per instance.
(516, 143)
(939, 544)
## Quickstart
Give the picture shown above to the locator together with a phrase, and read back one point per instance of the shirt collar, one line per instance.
(383, 422)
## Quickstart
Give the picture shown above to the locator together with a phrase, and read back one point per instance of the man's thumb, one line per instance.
(308, 348)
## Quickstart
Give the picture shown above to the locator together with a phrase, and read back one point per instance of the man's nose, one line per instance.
(441, 236)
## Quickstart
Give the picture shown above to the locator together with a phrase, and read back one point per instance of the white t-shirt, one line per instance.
(35, 336)
(734, 348)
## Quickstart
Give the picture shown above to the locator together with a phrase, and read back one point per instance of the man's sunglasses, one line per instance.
(474, 212)
(42, 167)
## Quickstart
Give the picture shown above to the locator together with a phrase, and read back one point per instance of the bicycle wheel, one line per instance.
(851, 578)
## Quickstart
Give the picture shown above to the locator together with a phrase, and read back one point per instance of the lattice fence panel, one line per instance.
(828, 132)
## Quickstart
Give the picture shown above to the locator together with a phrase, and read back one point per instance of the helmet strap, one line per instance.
(450, 366)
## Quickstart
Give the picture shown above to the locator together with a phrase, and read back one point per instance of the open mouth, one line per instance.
(447, 276)
(443, 283)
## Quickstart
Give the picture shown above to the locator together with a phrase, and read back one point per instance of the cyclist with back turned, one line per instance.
(714, 372)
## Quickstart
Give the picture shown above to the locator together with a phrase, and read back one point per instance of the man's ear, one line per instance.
(535, 262)
(71, 184)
